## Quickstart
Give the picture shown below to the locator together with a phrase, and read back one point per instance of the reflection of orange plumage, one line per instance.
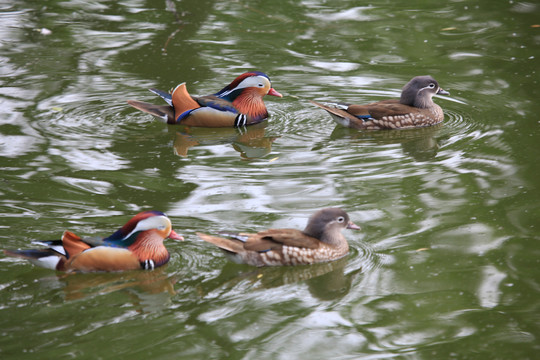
(182, 143)
(138, 244)
(143, 282)
(251, 142)
(236, 105)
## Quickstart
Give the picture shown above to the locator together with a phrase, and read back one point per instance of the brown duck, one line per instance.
(320, 241)
(415, 108)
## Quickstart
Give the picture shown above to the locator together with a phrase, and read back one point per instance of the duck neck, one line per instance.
(420, 99)
(423, 101)
(251, 104)
(335, 239)
(150, 247)
(332, 237)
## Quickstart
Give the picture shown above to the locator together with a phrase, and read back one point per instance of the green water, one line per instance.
(446, 265)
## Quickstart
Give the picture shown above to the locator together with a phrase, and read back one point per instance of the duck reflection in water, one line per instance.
(421, 144)
(150, 291)
(325, 281)
(251, 142)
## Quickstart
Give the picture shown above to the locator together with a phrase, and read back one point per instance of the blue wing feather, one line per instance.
(216, 103)
(164, 95)
(364, 117)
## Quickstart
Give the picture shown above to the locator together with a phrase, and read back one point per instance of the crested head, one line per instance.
(254, 81)
(419, 91)
(143, 235)
(244, 76)
(154, 221)
(325, 222)
(246, 94)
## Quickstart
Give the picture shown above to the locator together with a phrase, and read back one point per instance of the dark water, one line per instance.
(446, 265)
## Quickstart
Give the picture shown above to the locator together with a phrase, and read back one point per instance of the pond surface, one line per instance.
(446, 265)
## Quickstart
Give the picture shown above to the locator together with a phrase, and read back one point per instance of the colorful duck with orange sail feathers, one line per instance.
(136, 245)
(238, 104)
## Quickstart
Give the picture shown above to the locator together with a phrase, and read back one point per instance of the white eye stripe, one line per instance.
(430, 86)
(154, 222)
(253, 81)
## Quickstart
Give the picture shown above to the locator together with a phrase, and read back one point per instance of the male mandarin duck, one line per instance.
(320, 241)
(238, 104)
(136, 245)
(415, 108)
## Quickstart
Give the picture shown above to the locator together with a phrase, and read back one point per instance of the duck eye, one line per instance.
(432, 85)
(260, 85)
(340, 219)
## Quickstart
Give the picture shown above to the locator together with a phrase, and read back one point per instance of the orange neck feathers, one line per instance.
(149, 246)
(251, 103)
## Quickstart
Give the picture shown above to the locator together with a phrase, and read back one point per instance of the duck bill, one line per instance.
(442, 92)
(352, 226)
(273, 92)
(173, 235)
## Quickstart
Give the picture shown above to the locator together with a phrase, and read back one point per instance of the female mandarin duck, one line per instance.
(320, 241)
(136, 245)
(415, 108)
(238, 104)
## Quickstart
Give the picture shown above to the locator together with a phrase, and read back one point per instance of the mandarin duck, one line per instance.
(414, 109)
(238, 104)
(136, 245)
(320, 241)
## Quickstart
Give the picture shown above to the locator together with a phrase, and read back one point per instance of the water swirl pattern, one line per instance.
(446, 263)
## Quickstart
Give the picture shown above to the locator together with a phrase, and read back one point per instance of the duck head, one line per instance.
(419, 91)
(154, 223)
(326, 224)
(246, 93)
